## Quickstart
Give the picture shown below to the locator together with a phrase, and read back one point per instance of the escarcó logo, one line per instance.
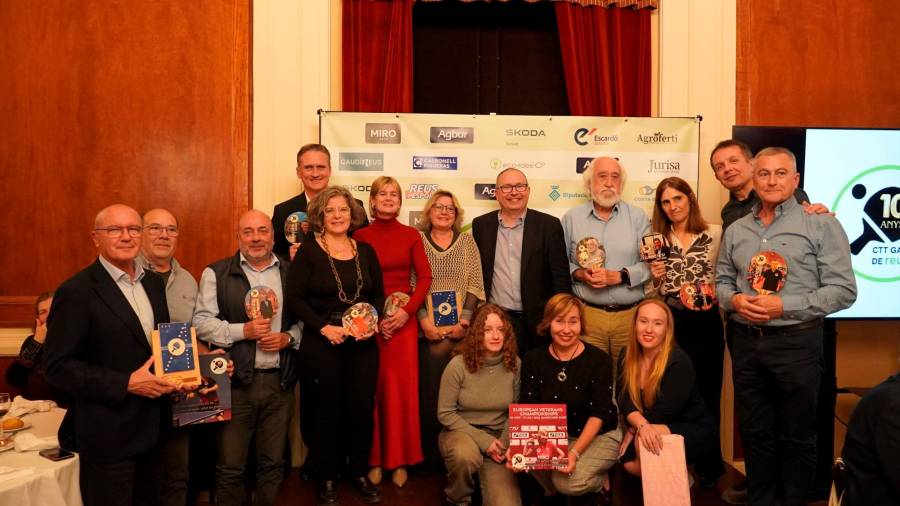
(585, 136)
(658, 138)
(485, 191)
(454, 135)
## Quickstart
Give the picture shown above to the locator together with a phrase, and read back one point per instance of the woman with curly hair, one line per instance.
(478, 385)
(686, 281)
(658, 394)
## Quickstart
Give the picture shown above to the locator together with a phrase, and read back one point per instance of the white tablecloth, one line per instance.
(50, 483)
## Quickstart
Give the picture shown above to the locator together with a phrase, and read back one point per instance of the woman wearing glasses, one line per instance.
(455, 266)
(327, 277)
(396, 444)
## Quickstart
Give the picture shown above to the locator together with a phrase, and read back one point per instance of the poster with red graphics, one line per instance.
(538, 437)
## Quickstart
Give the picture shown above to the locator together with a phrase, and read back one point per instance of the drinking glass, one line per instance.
(4, 408)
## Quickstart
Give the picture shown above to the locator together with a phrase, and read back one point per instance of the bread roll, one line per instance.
(12, 423)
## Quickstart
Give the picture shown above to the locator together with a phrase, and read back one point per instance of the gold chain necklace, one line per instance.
(359, 280)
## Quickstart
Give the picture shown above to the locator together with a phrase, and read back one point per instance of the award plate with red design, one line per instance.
(260, 302)
(589, 253)
(767, 272)
(360, 320)
(697, 296)
(538, 436)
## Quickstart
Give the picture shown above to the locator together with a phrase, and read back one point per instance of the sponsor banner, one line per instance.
(426, 152)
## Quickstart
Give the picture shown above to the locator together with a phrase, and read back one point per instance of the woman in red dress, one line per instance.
(405, 268)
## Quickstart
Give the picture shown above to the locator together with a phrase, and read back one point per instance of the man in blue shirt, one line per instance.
(777, 348)
(610, 291)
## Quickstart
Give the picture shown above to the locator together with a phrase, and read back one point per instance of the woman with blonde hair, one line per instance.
(572, 372)
(477, 387)
(396, 443)
(658, 394)
(455, 266)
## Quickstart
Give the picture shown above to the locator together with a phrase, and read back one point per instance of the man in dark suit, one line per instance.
(314, 171)
(98, 350)
(523, 257)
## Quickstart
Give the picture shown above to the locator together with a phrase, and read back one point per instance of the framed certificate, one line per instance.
(175, 353)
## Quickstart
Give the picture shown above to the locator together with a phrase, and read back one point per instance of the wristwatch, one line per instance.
(626, 279)
(291, 340)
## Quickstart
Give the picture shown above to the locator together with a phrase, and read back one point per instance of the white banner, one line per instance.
(464, 153)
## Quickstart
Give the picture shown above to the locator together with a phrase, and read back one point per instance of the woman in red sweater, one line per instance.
(405, 268)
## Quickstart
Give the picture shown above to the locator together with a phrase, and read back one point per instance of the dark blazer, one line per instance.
(545, 268)
(279, 216)
(94, 343)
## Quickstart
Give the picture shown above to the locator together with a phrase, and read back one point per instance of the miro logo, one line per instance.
(485, 191)
(454, 135)
(415, 219)
(382, 133)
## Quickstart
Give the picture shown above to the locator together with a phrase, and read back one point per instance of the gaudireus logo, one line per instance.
(455, 135)
(485, 191)
(585, 136)
(382, 133)
(361, 161)
(434, 162)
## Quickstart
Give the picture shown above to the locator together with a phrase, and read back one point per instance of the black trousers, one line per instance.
(776, 386)
(132, 481)
(338, 403)
(525, 329)
(701, 336)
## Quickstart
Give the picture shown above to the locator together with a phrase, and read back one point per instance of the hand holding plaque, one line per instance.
(590, 254)
(260, 302)
(654, 247)
(174, 348)
(360, 321)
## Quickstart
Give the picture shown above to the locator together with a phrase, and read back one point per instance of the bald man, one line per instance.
(98, 350)
(263, 347)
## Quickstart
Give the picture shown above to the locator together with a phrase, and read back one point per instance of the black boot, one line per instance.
(368, 492)
(327, 492)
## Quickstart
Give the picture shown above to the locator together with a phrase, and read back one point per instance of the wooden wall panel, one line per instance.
(818, 63)
(146, 103)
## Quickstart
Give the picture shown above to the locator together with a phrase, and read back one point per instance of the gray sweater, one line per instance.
(478, 404)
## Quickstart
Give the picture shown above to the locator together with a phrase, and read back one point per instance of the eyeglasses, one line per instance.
(508, 188)
(115, 232)
(157, 229)
(331, 211)
(441, 208)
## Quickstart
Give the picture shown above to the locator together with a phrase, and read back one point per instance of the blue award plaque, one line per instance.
(175, 352)
(444, 308)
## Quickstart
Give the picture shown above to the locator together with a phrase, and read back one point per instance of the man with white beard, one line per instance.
(610, 291)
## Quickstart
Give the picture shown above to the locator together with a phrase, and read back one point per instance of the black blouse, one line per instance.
(312, 292)
(678, 400)
(586, 392)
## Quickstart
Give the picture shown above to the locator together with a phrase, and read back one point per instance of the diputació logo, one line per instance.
(869, 209)
(453, 135)
(361, 161)
(383, 133)
(485, 191)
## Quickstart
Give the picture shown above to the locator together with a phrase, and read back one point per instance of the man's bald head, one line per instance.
(117, 235)
(256, 236)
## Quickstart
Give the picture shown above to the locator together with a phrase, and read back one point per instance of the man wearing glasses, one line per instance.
(98, 350)
(523, 257)
(158, 243)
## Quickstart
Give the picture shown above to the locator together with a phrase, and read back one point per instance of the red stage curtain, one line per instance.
(377, 55)
(606, 59)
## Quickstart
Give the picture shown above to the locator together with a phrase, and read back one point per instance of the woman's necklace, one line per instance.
(359, 280)
(561, 375)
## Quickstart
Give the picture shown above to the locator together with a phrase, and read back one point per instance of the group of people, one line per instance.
(506, 314)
